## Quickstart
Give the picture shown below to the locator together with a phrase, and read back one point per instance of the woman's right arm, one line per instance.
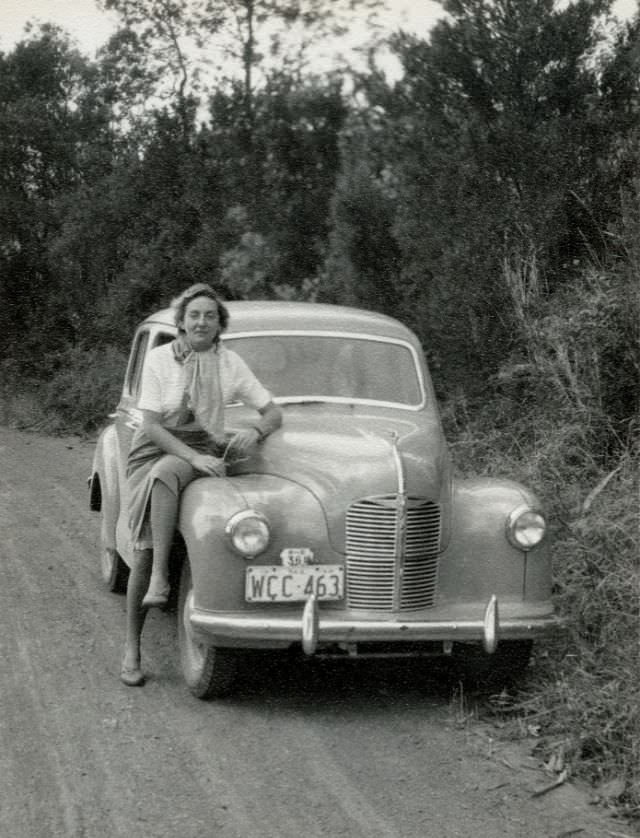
(164, 439)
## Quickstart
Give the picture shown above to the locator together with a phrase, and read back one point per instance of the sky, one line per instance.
(91, 27)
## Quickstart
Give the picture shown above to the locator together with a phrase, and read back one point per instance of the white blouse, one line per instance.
(163, 383)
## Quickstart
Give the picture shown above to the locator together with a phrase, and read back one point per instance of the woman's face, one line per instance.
(201, 323)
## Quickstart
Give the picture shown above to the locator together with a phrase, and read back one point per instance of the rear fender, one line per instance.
(104, 485)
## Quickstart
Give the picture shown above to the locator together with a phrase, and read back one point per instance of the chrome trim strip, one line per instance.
(401, 523)
(317, 333)
(342, 400)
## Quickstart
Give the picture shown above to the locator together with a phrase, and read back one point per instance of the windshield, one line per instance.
(332, 367)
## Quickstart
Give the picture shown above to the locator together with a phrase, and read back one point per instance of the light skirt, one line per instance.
(146, 464)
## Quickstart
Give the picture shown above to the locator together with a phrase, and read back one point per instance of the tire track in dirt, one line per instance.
(90, 722)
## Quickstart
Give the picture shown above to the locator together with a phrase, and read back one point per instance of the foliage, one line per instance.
(164, 49)
(488, 142)
(85, 385)
(566, 422)
(53, 136)
(281, 176)
(73, 391)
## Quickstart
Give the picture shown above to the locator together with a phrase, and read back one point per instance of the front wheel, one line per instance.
(208, 670)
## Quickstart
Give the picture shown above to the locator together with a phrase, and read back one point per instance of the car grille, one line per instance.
(392, 553)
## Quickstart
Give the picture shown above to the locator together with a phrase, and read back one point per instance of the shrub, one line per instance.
(560, 416)
(84, 387)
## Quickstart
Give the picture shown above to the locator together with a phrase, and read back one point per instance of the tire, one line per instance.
(501, 669)
(209, 671)
(115, 572)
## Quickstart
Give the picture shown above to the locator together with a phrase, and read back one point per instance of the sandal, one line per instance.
(156, 598)
(132, 676)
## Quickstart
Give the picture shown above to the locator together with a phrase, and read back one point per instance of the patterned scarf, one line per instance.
(203, 389)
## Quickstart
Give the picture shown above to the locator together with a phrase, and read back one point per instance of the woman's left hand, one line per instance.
(243, 442)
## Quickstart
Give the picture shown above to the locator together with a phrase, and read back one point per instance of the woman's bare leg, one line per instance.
(137, 585)
(163, 519)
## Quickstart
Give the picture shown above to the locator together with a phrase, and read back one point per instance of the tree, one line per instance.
(616, 118)
(155, 55)
(489, 143)
(53, 138)
(171, 50)
(279, 190)
(268, 152)
(364, 261)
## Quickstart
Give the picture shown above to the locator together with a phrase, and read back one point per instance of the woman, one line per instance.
(185, 385)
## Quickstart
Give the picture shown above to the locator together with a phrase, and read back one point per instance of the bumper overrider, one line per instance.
(313, 628)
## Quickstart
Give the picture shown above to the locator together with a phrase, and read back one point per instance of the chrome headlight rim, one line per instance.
(233, 532)
(512, 527)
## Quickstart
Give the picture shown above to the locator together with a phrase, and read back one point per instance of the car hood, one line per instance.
(342, 456)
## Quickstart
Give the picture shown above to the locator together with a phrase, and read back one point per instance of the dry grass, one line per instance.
(583, 695)
(562, 419)
(75, 394)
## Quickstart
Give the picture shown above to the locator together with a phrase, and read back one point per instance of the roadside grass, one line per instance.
(75, 394)
(581, 699)
(561, 416)
(22, 408)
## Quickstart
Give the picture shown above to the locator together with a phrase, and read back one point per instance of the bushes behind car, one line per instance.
(561, 416)
(72, 391)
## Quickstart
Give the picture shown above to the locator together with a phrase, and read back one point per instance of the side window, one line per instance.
(134, 371)
(162, 338)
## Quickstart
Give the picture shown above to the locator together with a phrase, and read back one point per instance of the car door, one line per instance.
(128, 418)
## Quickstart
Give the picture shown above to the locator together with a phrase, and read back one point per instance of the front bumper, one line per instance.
(314, 627)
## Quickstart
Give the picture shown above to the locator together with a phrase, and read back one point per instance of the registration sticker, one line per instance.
(296, 556)
(274, 583)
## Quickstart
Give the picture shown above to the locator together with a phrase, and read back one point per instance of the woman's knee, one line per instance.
(174, 473)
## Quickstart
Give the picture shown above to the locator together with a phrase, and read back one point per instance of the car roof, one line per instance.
(270, 316)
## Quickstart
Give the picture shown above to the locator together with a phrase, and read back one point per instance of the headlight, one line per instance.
(526, 527)
(249, 532)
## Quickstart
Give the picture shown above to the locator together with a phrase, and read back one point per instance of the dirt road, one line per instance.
(318, 751)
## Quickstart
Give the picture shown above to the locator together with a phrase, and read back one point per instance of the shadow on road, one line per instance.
(299, 681)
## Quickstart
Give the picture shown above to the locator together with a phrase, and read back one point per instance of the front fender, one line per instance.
(479, 560)
(295, 517)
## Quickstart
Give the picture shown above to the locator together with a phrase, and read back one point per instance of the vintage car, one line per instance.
(347, 532)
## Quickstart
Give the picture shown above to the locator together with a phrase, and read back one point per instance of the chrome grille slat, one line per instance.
(372, 566)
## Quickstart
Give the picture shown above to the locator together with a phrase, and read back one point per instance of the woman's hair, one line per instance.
(200, 289)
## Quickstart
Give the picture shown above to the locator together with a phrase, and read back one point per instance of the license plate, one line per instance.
(285, 584)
